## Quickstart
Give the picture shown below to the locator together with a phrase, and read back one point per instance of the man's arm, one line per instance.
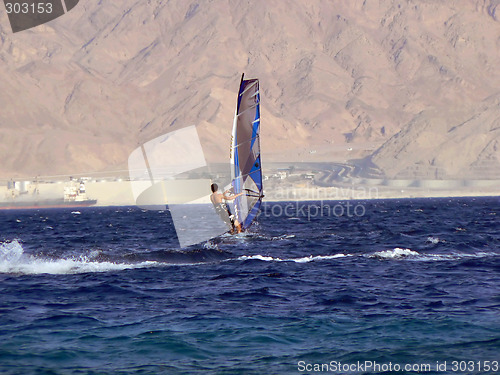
(232, 197)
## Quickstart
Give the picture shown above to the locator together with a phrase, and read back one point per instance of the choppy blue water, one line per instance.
(399, 282)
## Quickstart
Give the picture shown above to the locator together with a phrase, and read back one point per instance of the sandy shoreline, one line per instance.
(119, 193)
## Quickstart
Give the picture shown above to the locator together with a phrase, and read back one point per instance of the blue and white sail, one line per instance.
(246, 164)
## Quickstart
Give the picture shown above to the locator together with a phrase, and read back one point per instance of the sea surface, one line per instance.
(315, 287)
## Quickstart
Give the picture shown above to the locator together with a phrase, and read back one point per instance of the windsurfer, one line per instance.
(222, 209)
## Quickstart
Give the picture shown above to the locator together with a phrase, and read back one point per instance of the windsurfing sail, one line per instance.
(246, 168)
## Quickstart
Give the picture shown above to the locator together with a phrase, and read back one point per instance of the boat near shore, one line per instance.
(20, 195)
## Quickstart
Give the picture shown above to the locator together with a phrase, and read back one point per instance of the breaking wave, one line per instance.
(408, 254)
(396, 253)
(296, 260)
(14, 260)
(392, 254)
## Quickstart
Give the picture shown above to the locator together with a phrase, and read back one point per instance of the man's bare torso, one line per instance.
(217, 198)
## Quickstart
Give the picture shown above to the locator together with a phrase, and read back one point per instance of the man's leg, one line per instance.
(237, 226)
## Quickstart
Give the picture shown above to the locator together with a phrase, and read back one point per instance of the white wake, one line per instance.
(14, 260)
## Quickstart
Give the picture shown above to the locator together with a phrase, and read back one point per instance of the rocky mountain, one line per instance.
(458, 143)
(409, 81)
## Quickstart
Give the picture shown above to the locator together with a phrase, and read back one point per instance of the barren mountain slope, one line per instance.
(81, 92)
(451, 144)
